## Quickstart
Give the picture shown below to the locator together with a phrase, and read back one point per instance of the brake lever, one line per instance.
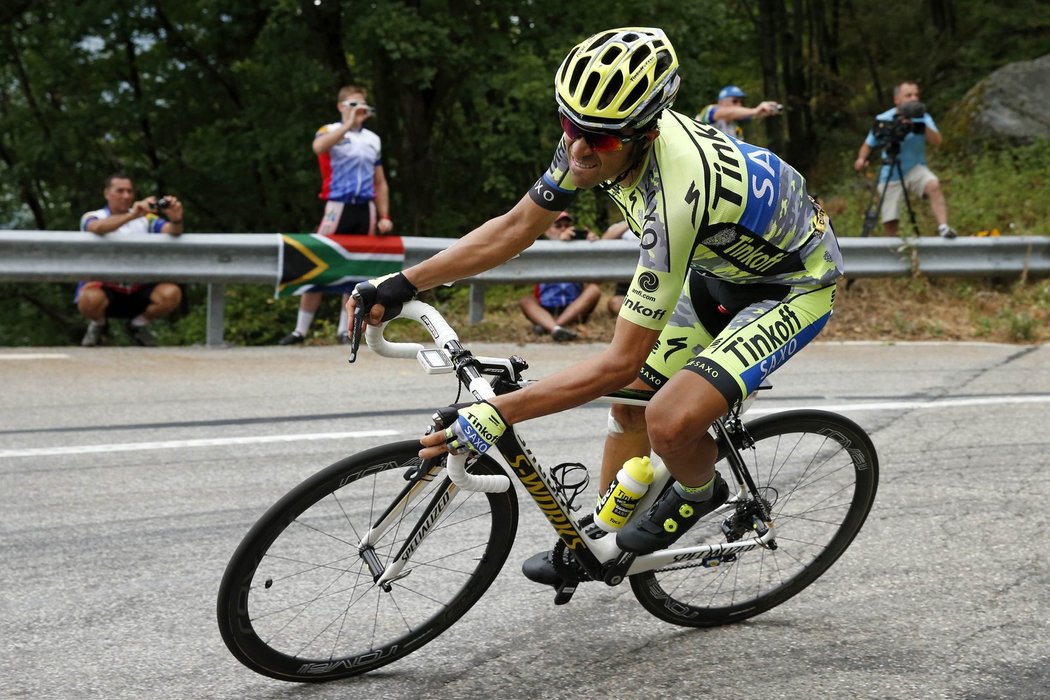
(355, 330)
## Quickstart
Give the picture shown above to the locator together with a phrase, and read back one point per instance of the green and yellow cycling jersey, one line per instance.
(709, 202)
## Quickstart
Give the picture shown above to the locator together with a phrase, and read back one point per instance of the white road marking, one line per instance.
(908, 405)
(35, 356)
(911, 405)
(180, 444)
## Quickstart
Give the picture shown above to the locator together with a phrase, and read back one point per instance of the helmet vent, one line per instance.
(640, 91)
(612, 55)
(611, 90)
(663, 61)
(639, 57)
(599, 40)
(577, 73)
(589, 87)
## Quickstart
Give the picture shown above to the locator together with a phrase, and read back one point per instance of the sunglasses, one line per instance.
(598, 141)
(350, 104)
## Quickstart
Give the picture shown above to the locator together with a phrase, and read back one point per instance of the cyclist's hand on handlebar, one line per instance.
(476, 428)
(375, 301)
(382, 297)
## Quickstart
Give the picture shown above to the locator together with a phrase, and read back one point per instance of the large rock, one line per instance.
(1011, 104)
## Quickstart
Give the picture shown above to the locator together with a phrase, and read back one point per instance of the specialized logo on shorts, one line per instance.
(649, 282)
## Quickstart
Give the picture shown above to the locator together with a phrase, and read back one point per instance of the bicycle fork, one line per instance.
(418, 477)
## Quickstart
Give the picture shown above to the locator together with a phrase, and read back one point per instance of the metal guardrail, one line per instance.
(218, 259)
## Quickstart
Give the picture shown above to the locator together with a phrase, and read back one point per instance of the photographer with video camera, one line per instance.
(902, 133)
(139, 303)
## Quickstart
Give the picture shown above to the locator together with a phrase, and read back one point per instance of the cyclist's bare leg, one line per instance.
(627, 437)
(678, 419)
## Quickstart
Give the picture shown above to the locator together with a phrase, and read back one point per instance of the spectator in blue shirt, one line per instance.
(920, 180)
(555, 305)
(725, 114)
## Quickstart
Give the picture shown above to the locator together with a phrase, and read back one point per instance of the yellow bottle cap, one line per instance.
(640, 469)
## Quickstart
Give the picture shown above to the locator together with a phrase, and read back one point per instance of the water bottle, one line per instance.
(616, 506)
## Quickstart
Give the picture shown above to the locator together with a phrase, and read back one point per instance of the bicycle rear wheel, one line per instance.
(298, 602)
(819, 473)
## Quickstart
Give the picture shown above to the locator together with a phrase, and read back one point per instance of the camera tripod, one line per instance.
(871, 216)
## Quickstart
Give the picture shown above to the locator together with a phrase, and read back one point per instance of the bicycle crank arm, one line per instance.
(615, 573)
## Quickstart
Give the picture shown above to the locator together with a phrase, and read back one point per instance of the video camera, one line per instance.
(890, 133)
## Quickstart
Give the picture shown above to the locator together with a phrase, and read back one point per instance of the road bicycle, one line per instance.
(376, 555)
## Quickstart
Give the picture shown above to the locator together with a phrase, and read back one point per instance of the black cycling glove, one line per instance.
(392, 291)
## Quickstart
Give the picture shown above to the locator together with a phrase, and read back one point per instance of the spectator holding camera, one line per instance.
(555, 305)
(138, 303)
(908, 127)
(725, 114)
(354, 187)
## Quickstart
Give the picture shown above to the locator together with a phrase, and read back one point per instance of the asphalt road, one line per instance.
(129, 476)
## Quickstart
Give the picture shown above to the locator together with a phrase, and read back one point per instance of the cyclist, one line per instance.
(736, 273)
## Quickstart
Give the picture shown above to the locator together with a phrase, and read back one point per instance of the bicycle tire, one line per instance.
(819, 471)
(297, 601)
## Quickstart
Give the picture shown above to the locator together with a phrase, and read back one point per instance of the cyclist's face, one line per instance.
(590, 168)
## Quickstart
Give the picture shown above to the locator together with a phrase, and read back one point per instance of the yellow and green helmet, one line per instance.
(618, 78)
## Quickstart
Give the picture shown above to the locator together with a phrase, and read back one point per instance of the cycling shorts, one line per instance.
(735, 335)
(351, 219)
(125, 301)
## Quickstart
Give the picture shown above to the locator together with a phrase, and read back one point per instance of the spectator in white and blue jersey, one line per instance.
(354, 187)
(139, 303)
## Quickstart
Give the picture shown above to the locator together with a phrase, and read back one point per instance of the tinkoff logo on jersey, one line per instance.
(751, 253)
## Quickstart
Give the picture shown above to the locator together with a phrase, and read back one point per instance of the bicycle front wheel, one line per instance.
(298, 600)
(818, 472)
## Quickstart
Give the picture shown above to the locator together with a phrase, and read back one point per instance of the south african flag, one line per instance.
(310, 262)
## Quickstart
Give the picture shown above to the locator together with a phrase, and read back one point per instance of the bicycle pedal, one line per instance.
(565, 591)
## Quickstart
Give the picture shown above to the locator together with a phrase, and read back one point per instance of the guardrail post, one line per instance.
(216, 314)
(477, 302)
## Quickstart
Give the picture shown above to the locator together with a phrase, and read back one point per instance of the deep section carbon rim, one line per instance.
(298, 601)
(818, 471)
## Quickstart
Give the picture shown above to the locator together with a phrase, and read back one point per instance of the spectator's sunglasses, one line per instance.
(598, 141)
